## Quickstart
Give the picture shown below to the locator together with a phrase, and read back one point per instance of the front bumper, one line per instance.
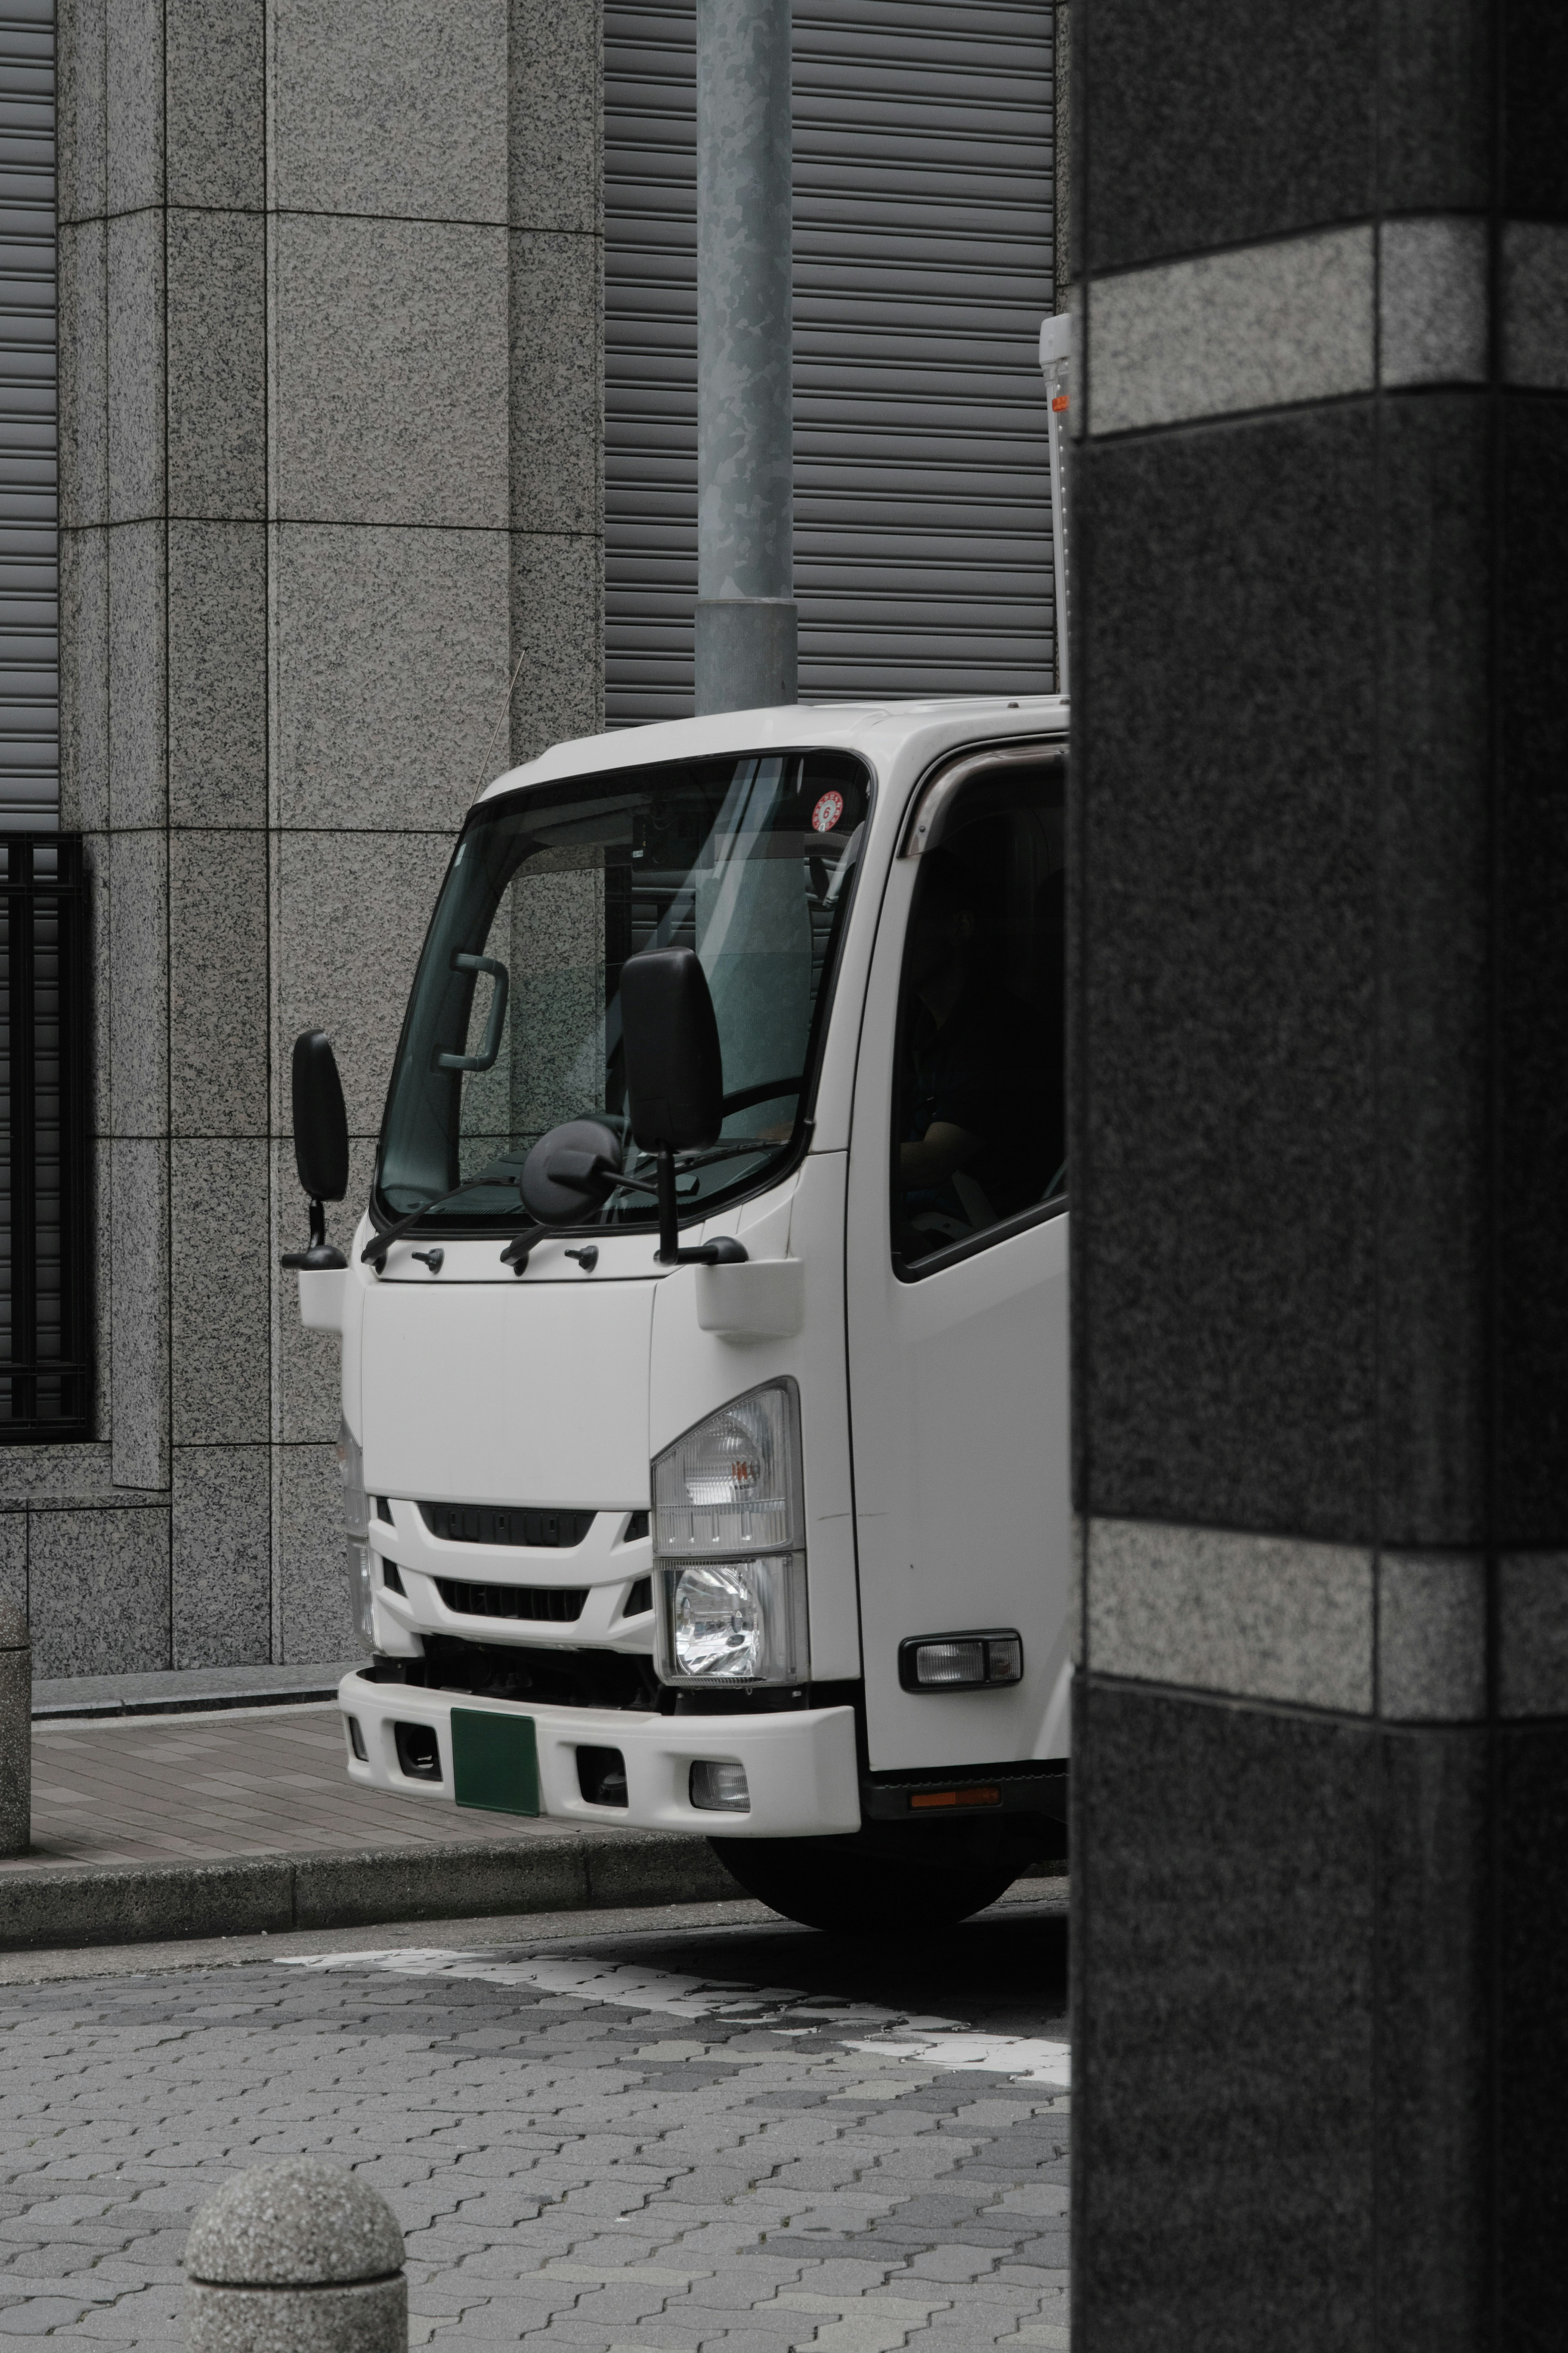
(801, 1767)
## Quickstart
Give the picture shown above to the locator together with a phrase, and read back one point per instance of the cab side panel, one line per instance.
(959, 1399)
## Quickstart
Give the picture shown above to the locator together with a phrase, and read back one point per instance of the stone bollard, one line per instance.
(298, 2257)
(16, 1731)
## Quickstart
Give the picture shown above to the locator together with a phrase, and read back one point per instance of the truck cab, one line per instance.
(714, 1477)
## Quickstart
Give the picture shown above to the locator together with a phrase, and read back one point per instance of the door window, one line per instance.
(979, 1103)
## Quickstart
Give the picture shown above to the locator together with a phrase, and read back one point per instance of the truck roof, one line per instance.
(882, 730)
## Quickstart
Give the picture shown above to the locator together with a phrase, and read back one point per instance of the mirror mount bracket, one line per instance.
(321, 1258)
(669, 1219)
(723, 1251)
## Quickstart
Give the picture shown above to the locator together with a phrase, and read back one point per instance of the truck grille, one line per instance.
(559, 1603)
(494, 1524)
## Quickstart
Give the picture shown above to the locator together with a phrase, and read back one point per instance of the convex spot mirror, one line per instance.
(674, 1074)
(570, 1171)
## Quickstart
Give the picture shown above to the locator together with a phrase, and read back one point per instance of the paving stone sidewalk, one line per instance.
(572, 2176)
(187, 1788)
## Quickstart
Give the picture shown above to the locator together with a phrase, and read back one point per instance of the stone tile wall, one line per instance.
(332, 388)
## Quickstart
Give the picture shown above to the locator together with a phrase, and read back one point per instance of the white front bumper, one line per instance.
(801, 1767)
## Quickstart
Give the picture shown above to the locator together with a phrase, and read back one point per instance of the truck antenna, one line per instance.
(490, 740)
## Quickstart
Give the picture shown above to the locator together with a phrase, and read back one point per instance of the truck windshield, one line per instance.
(514, 1022)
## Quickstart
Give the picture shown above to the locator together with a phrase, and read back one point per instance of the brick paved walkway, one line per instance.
(251, 1781)
(582, 2177)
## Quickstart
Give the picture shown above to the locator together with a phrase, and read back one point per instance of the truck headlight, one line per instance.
(733, 1483)
(733, 1621)
(728, 1530)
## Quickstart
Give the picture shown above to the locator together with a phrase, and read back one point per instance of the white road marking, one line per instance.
(1026, 2058)
(944, 2041)
(632, 1986)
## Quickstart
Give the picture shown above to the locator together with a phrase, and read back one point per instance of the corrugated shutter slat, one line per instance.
(923, 257)
(29, 608)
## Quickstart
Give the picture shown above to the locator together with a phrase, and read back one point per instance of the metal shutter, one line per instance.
(29, 546)
(923, 266)
(45, 1378)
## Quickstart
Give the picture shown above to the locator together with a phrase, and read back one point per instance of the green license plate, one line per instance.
(494, 1761)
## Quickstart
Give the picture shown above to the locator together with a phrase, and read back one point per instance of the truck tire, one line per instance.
(835, 1885)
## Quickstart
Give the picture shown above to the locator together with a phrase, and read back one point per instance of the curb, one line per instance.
(99, 1711)
(186, 1691)
(122, 1904)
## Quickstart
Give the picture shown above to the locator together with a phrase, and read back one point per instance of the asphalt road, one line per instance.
(612, 2132)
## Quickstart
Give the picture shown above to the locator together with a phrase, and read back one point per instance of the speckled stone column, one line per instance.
(16, 1731)
(746, 629)
(1319, 1169)
(298, 2257)
(331, 467)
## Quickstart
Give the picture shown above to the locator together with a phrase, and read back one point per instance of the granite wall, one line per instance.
(331, 396)
(1321, 1150)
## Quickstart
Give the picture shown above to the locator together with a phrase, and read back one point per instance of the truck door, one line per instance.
(957, 1278)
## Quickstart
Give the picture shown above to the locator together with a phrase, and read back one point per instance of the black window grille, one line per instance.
(45, 1372)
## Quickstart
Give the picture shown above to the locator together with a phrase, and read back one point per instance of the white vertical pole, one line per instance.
(1056, 364)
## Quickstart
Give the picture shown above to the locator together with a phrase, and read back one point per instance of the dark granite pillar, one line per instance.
(1321, 1175)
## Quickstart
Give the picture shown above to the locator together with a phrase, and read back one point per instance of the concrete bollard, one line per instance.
(298, 2257)
(16, 1731)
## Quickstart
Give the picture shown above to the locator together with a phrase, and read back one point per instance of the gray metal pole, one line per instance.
(746, 629)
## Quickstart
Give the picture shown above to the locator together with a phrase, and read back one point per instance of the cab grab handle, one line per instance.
(485, 1059)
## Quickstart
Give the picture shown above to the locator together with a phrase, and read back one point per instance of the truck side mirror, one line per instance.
(674, 1074)
(675, 1081)
(321, 1142)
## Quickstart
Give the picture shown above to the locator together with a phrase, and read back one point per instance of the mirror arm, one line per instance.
(723, 1251)
(320, 1257)
(600, 1175)
(669, 1221)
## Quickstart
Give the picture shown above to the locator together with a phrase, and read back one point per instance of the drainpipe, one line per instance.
(746, 626)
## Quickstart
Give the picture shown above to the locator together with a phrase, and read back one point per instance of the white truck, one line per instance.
(705, 1342)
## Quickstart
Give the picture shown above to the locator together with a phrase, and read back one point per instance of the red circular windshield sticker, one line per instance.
(827, 812)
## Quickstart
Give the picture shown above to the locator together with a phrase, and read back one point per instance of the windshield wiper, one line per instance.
(723, 1251)
(375, 1250)
(731, 1147)
(516, 1254)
